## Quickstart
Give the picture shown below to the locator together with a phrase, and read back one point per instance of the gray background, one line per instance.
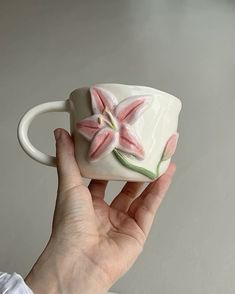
(49, 48)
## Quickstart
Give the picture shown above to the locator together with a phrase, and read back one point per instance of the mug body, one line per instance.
(141, 133)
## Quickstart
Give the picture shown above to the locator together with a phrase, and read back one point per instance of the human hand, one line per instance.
(93, 244)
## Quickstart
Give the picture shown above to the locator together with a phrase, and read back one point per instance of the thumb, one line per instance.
(73, 203)
(68, 171)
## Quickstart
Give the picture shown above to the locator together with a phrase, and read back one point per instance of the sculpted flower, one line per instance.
(170, 147)
(109, 127)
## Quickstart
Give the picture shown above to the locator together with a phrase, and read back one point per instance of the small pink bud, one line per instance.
(170, 147)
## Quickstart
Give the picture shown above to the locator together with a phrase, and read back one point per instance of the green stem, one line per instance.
(122, 159)
(158, 166)
(159, 163)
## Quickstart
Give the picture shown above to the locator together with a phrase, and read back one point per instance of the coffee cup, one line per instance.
(120, 132)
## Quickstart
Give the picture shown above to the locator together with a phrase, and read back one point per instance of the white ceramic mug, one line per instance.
(121, 132)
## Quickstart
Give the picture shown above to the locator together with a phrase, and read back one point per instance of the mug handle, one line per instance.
(23, 126)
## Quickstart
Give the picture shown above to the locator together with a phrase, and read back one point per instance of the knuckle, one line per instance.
(128, 193)
(149, 209)
(74, 189)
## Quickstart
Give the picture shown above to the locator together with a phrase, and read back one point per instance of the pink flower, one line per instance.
(170, 147)
(109, 126)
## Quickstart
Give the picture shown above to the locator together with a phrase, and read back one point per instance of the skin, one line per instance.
(93, 244)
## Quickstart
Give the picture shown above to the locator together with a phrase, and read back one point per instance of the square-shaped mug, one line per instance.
(121, 132)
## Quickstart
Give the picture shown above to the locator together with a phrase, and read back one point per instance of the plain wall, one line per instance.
(49, 48)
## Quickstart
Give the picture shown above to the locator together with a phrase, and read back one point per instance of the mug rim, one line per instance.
(176, 99)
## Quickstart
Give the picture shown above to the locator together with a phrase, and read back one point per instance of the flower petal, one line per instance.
(101, 98)
(103, 143)
(130, 109)
(89, 126)
(170, 147)
(129, 143)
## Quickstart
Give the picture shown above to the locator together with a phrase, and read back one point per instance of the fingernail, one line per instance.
(57, 133)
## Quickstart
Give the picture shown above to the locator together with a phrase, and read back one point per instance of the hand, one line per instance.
(92, 243)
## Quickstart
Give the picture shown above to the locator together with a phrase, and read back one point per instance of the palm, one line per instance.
(118, 225)
(118, 233)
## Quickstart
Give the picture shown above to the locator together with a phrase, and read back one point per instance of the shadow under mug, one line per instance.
(120, 132)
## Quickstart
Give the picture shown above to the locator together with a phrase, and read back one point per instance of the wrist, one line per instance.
(58, 272)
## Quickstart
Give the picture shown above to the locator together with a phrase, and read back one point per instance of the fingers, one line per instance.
(127, 195)
(97, 188)
(144, 208)
(68, 171)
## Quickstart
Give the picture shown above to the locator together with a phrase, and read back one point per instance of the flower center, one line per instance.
(109, 119)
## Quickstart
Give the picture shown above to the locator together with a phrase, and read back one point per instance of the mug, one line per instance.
(120, 132)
